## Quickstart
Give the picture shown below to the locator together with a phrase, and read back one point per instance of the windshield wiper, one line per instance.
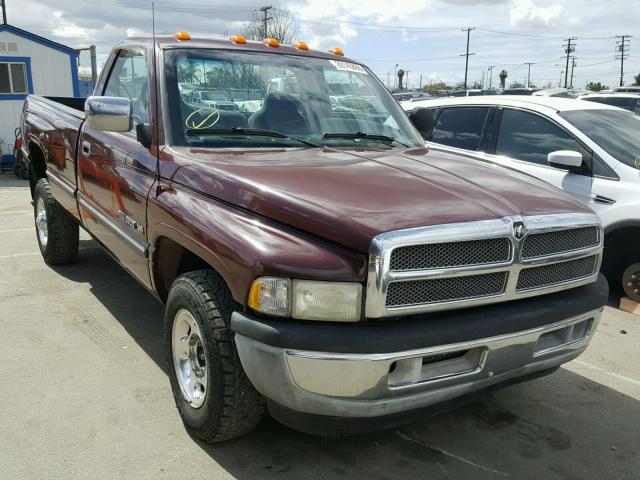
(362, 135)
(257, 132)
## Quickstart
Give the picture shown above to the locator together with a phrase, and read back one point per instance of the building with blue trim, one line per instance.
(30, 64)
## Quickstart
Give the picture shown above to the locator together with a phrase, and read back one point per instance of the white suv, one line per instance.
(590, 150)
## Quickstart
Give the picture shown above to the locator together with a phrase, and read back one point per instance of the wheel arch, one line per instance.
(621, 249)
(174, 254)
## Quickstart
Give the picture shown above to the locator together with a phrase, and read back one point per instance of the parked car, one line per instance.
(590, 150)
(628, 101)
(321, 262)
(632, 89)
(520, 91)
(560, 93)
(212, 98)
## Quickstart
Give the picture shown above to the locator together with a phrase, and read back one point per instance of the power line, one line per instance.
(466, 55)
(622, 46)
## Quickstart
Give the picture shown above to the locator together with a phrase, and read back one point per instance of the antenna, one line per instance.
(155, 90)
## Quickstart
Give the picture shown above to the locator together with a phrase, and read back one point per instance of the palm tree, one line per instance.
(400, 75)
(503, 78)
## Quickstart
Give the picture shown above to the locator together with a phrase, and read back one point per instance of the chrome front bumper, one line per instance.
(370, 385)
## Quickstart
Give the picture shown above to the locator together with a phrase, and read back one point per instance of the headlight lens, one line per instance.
(307, 299)
(332, 301)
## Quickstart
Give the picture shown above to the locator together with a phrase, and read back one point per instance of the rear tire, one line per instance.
(212, 393)
(57, 233)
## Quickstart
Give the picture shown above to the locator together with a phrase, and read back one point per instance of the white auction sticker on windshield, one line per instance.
(348, 66)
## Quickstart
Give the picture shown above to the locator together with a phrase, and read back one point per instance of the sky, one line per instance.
(423, 37)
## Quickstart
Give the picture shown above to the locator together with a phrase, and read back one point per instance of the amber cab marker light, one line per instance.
(337, 51)
(271, 42)
(238, 39)
(182, 36)
(301, 45)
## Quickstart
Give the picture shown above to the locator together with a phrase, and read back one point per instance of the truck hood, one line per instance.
(348, 196)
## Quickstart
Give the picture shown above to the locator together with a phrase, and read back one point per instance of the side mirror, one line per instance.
(422, 119)
(566, 159)
(108, 114)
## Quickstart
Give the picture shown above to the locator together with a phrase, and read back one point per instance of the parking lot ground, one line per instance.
(84, 394)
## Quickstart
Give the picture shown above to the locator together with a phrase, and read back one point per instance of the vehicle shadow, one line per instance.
(561, 426)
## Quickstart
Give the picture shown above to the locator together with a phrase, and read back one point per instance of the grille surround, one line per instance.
(381, 276)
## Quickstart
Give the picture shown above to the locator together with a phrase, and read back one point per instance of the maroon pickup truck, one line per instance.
(313, 257)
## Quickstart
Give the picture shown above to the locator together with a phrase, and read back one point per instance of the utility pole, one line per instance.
(420, 81)
(529, 74)
(573, 65)
(4, 11)
(395, 77)
(388, 84)
(569, 48)
(265, 19)
(466, 65)
(560, 83)
(491, 67)
(407, 82)
(622, 49)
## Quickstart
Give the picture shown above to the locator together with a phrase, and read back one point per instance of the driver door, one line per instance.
(116, 172)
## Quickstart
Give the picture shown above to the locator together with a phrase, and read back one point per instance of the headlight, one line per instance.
(307, 299)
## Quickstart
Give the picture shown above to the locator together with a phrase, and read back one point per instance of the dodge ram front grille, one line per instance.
(560, 241)
(557, 273)
(451, 254)
(474, 263)
(420, 292)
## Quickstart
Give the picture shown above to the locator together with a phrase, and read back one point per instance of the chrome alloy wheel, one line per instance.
(189, 358)
(41, 222)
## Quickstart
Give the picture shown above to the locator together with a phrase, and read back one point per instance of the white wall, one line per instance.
(51, 75)
(50, 69)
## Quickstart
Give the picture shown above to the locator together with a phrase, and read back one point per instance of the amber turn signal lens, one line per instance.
(337, 51)
(271, 42)
(301, 45)
(239, 39)
(182, 36)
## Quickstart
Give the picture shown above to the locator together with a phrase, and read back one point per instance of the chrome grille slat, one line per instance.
(556, 273)
(549, 243)
(438, 290)
(441, 267)
(451, 254)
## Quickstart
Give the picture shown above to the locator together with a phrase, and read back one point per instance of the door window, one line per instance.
(129, 79)
(529, 137)
(460, 127)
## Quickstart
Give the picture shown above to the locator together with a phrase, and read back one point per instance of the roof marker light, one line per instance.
(238, 39)
(337, 51)
(182, 36)
(301, 45)
(271, 42)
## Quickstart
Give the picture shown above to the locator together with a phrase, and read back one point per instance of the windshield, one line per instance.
(617, 132)
(315, 100)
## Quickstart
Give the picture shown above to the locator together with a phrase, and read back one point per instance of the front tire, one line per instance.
(212, 393)
(58, 234)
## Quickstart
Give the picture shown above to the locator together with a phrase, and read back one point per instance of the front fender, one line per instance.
(241, 246)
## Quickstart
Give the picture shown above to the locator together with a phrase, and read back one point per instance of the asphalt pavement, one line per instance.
(84, 394)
